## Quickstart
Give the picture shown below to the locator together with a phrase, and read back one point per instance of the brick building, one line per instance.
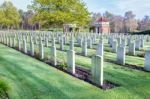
(101, 25)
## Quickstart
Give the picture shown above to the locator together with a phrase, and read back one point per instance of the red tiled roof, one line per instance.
(102, 20)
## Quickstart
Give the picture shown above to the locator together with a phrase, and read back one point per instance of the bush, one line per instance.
(3, 89)
(147, 32)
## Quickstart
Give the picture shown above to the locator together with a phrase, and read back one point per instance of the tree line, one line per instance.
(126, 23)
(55, 13)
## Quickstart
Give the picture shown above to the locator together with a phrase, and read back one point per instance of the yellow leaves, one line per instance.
(61, 11)
(9, 14)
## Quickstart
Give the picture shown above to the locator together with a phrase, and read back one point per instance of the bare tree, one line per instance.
(145, 23)
(130, 22)
(117, 24)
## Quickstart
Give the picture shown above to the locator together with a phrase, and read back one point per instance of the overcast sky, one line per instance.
(139, 7)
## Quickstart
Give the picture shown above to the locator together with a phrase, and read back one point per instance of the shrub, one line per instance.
(3, 89)
(147, 32)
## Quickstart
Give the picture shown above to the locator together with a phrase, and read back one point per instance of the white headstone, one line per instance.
(32, 48)
(71, 61)
(62, 44)
(89, 42)
(114, 46)
(24, 46)
(84, 48)
(147, 61)
(137, 45)
(119, 40)
(142, 43)
(97, 69)
(100, 49)
(123, 43)
(53, 55)
(132, 48)
(19, 44)
(41, 51)
(121, 55)
(72, 44)
(14, 42)
(46, 42)
(10, 42)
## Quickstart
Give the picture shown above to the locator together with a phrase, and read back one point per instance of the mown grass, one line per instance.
(128, 79)
(131, 81)
(31, 79)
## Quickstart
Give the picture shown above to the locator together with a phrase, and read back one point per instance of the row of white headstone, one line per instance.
(133, 45)
(97, 60)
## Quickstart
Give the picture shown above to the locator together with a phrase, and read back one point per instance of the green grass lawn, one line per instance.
(30, 79)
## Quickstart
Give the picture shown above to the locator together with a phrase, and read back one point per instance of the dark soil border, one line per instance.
(134, 67)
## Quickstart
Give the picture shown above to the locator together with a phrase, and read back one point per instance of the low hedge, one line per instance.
(147, 32)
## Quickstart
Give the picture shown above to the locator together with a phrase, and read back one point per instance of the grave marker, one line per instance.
(121, 55)
(97, 69)
(147, 61)
(71, 61)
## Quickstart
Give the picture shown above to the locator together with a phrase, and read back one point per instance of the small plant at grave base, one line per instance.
(46, 58)
(141, 55)
(63, 65)
(4, 88)
(36, 55)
